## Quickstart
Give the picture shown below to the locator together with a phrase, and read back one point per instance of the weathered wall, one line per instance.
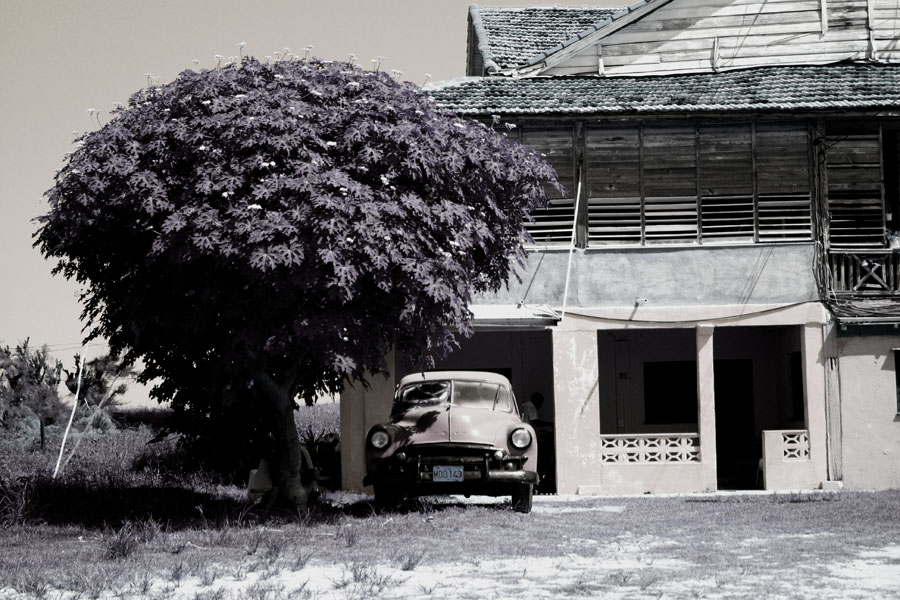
(361, 408)
(870, 424)
(734, 275)
(705, 35)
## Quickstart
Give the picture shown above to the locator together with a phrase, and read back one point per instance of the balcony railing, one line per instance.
(865, 273)
(649, 449)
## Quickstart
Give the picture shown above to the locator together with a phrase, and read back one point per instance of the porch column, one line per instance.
(812, 347)
(361, 408)
(577, 405)
(706, 406)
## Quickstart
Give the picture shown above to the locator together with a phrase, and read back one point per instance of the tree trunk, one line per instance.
(291, 469)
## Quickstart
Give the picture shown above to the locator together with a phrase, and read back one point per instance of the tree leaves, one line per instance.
(299, 217)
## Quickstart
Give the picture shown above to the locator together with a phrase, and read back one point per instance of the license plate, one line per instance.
(447, 473)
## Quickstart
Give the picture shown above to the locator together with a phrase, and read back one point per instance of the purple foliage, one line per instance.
(301, 217)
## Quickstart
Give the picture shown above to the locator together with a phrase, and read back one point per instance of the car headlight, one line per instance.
(379, 439)
(520, 438)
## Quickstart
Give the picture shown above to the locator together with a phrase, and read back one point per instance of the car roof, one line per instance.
(439, 375)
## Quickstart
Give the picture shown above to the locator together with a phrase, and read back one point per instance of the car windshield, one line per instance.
(469, 393)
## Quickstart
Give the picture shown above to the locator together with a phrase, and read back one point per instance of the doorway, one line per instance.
(738, 447)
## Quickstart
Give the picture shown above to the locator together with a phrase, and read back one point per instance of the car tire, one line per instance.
(387, 497)
(521, 498)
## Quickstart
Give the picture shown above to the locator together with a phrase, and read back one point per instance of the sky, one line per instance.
(60, 58)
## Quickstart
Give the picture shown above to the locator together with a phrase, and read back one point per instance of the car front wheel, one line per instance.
(521, 497)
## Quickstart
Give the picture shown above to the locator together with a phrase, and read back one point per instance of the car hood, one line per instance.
(457, 424)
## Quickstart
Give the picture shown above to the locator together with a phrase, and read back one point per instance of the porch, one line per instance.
(688, 410)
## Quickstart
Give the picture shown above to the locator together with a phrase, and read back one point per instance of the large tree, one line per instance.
(258, 231)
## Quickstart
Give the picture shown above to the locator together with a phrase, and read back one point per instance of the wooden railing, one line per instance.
(865, 272)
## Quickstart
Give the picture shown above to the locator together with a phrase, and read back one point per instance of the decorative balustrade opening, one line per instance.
(650, 448)
(795, 445)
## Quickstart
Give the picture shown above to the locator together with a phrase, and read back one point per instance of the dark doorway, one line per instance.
(737, 446)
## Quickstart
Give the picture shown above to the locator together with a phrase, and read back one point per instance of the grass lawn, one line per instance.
(188, 536)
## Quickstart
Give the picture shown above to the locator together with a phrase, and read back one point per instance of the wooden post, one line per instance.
(823, 9)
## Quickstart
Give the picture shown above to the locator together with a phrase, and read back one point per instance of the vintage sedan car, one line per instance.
(453, 432)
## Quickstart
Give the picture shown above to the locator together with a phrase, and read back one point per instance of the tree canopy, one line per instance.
(276, 228)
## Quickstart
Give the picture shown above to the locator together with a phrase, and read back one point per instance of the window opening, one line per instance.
(670, 392)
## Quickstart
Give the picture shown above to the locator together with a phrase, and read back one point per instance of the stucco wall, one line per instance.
(671, 276)
(870, 425)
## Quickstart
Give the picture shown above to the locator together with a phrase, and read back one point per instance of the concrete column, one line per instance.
(577, 411)
(706, 406)
(361, 408)
(812, 348)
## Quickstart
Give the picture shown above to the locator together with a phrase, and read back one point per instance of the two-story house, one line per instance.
(714, 301)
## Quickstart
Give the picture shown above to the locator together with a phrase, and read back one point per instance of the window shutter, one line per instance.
(669, 169)
(782, 182)
(554, 223)
(726, 183)
(855, 206)
(613, 168)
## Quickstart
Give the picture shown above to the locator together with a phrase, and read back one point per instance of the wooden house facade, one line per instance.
(713, 302)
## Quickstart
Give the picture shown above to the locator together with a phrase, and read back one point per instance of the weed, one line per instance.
(579, 588)
(216, 594)
(408, 560)
(31, 584)
(427, 590)
(141, 583)
(648, 580)
(362, 580)
(349, 536)
(178, 571)
(122, 543)
(301, 593)
(14, 502)
(620, 578)
(268, 591)
(256, 540)
(301, 559)
(274, 548)
(91, 582)
(208, 576)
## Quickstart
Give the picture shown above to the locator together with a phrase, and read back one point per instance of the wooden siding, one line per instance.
(706, 35)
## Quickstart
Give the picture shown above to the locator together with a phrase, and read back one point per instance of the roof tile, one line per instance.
(822, 87)
(512, 36)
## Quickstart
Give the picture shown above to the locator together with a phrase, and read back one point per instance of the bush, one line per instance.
(28, 389)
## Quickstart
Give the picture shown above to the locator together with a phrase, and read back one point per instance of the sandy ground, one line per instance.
(618, 569)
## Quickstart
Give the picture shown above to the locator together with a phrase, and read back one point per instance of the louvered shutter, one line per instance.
(726, 183)
(613, 170)
(782, 182)
(669, 169)
(554, 223)
(853, 175)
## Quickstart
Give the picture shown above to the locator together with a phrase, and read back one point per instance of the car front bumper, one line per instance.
(481, 473)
